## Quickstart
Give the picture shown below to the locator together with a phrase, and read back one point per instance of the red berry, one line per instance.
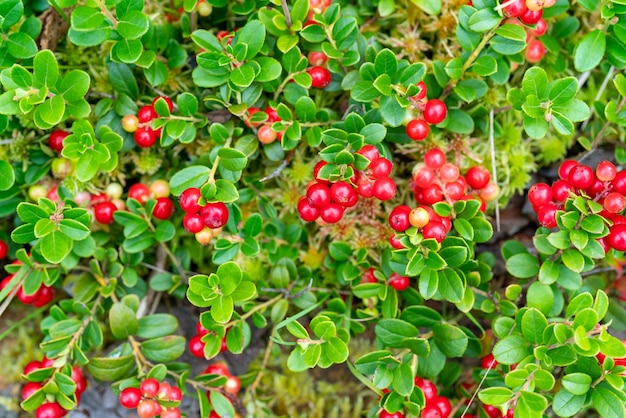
(27, 299)
(316, 171)
(318, 195)
(149, 387)
(435, 111)
(561, 190)
(492, 411)
(515, 9)
(380, 167)
(46, 294)
(417, 129)
(606, 171)
(46, 362)
(540, 194)
(399, 218)
(214, 215)
(55, 140)
(148, 408)
(565, 168)
(398, 282)
(581, 177)
(455, 190)
(193, 223)
(50, 410)
(541, 28)
(317, 58)
(422, 92)
(443, 404)
(196, 346)
(30, 388)
(79, 379)
(614, 202)
(31, 367)
(395, 243)
(365, 187)
(104, 212)
(189, 200)
(369, 151)
(320, 77)
(428, 388)
(307, 211)
(164, 208)
(435, 158)
(477, 177)
(170, 413)
(145, 136)
(217, 368)
(146, 114)
(419, 217)
(170, 105)
(617, 237)
(546, 215)
(384, 188)
(435, 230)
(140, 192)
(344, 194)
(535, 51)
(448, 172)
(432, 194)
(232, 385)
(431, 411)
(331, 213)
(266, 134)
(368, 276)
(385, 414)
(4, 249)
(530, 18)
(130, 397)
(488, 362)
(175, 394)
(424, 177)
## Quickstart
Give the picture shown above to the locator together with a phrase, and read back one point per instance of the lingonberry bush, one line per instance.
(328, 171)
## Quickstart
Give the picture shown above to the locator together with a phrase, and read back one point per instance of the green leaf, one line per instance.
(164, 349)
(563, 90)
(607, 403)
(128, 50)
(533, 325)
(590, 50)
(511, 349)
(495, 396)
(540, 296)
(111, 368)
(21, 46)
(451, 285)
(576, 383)
(336, 350)
(386, 63)
(391, 332)
(222, 309)
(74, 85)
(523, 265)
(165, 231)
(7, 175)
(50, 112)
(484, 20)
(403, 381)
(133, 25)
(253, 36)
(123, 321)
(193, 176)
(451, 340)
(55, 247)
(45, 68)
(431, 7)
(232, 159)
(565, 404)
(73, 229)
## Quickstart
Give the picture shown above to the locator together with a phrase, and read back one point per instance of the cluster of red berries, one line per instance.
(107, 203)
(4, 249)
(41, 297)
(433, 112)
(265, 133)
(606, 186)
(436, 406)
(196, 345)
(51, 409)
(203, 221)
(316, 7)
(149, 397)
(320, 76)
(529, 12)
(435, 181)
(140, 125)
(328, 201)
(396, 281)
